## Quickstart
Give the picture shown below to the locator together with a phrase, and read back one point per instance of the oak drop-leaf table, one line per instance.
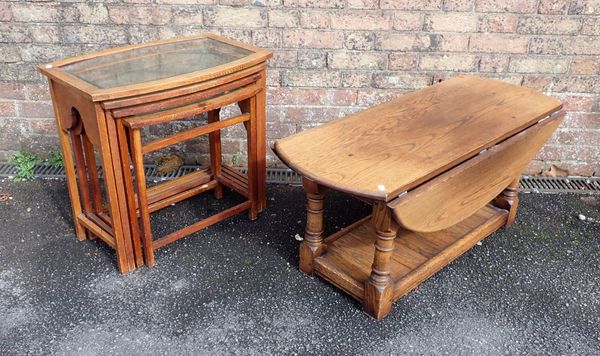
(441, 167)
(104, 103)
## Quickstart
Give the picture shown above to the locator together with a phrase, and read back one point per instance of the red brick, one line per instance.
(12, 90)
(340, 97)
(30, 12)
(585, 7)
(359, 40)
(498, 43)
(585, 66)
(43, 126)
(553, 7)
(187, 16)
(46, 33)
(576, 84)
(551, 152)
(451, 22)
(451, 62)
(235, 17)
(357, 60)
(591, 26)
(273, 77)
(311, 59)
(450, 42)
(313, 39)
(537, 82)
(284, 18)
(34, 109)
(531, 64)
(266, 38)
(407, 21)
(355, 79)
(232, 2)
(315, 3)
(92, 13)
(513, 79)
(583, 120)
(284, 59)
(548, 25)
(518, 6)
(568, 137)
(402, 61)
(140, 15)
(458, 5)
(586, 45)
(498, 23)
(370, 97)
(94, 34)
(37, 91)
(314, 19)
(534, 167)
(411, 5)
(295, 96)
(403, 42)
(386, 80)
(278, 130)
(576, 103)
(590, 137)
(493, 63)
(15, 33)
(310, 78)
(360, 20)
(7, 109)
(5, 14)
(546, 45)
(363, 4)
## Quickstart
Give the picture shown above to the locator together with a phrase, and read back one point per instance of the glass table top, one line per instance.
(155, 62)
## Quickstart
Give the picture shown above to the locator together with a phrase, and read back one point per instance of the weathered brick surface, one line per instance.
(331, 58)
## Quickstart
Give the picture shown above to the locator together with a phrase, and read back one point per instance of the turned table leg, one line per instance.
(312, 246)
(378, 288)
(509, 200)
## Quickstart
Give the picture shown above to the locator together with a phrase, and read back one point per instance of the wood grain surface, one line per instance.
(461, 191)
(383, 151)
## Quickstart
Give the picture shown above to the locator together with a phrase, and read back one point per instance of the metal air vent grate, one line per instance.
(287, 176)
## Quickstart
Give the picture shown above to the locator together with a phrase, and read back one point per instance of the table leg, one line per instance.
(92, 167)
(214, 141)
(261, 150)
(113, 178)
(249, 106)
(82, 169)
(378, 288)
(124, 145)
(312, 246)
(140, 177)
(509, 200)
(69, 164)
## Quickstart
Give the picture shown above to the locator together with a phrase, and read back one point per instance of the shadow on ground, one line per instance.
(235, 287)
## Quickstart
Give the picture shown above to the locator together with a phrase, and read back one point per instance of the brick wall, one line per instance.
(332, 57)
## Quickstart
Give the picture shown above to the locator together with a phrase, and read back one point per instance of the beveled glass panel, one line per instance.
(150, 63)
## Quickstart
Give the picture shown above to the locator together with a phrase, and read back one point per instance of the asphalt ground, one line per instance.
(235, 288)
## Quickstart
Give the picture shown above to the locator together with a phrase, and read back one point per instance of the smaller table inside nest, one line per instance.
(102, 102)
(441, 167)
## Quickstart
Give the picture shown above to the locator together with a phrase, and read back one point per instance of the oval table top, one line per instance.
(390, 148)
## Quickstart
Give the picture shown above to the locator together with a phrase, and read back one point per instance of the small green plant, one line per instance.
(55, 158)
(25, 162)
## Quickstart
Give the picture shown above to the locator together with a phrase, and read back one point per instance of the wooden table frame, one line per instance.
(91, 120)
(426, 213)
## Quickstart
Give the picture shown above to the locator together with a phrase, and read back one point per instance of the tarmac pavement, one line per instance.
(235, 287)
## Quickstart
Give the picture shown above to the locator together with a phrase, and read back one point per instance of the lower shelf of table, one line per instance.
(417, 256)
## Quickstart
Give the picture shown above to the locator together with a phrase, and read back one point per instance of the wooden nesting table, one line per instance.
(441, 167)
(105, 102)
